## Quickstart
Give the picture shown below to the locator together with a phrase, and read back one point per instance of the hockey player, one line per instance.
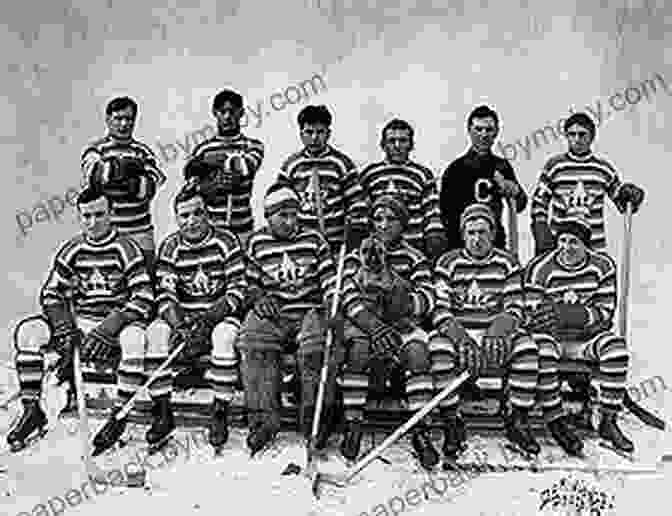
(98, 296)
(200, 290)
(479, 177)
(413, 183)
(225, 166)
(478, 319)
(126, 171)
(290, 277)
(578, 178)
(387, 292)
(571, 292)
(327, 183)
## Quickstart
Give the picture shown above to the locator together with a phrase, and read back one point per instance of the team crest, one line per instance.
(578, 201)
(309, 196)
(467, 297)
(168, 283)
(97, 283)
(289, 273)
(570, 297)
(200, 284)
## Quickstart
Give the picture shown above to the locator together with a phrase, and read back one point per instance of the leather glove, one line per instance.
(63, 328)
(197, 331)
(544, 319)
(629, 193)
(544, 240)
(266, 307)
(386, 341)
(435, 245)
(198, 168)
(101, 348)
(497, 341)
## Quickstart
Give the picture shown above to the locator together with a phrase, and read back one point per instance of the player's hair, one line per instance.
(581, 119)
(482, 111)
(227, 96)
(121, 103)
(314, 115)
(89, 194)
(397, 124)
(186, 193)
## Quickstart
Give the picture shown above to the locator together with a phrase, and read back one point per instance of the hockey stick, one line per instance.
(343, 479)
(512, 216)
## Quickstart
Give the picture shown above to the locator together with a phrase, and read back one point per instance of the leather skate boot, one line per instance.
(518, 432)
(610, 431)
(454, 437)
(32, 419)
(565, 437)
(163, 423)
(422, 444)
(352, 440)
(259, 437)
(218, 432)
(108, 436)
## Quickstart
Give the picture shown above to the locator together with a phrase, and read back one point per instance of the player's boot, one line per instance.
(33, 419)
(565, 436)
(519, 433)
(454, 436)
(218, 432)
(163, 423)
(352, 440)
(609, 431)
(259, 437)
(424, 449)
(109, 435)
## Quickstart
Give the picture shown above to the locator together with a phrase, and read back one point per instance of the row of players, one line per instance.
(474, 309)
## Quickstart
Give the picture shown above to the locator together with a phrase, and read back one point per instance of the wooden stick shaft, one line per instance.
(447, 391)
(625, 273)
(91, 469)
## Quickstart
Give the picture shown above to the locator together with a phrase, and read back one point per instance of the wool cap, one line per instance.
(477, 211)
(278, 197)
(577, 227)
(393, 203)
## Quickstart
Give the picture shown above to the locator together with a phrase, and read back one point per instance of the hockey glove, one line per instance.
(266, 307)
(544, 319)
(101, 348)
(198, 334)
(435, 245)
(544, 240)
(198, 168)
(629, 193)
(385, 340)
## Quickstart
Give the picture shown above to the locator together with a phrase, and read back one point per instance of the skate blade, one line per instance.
(29, 441)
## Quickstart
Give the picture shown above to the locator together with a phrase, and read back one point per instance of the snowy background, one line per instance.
(423, 61)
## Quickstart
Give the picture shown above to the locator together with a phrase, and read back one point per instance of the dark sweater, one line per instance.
(470, 179)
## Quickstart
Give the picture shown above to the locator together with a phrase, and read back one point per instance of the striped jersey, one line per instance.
(129, 216)
(416, 186)
(474, 291)
(220, 149)
(100, 277)
(339, 193)
(404, 261)
(298, 272)
(591, 284)
(196, 275)
(571, 186)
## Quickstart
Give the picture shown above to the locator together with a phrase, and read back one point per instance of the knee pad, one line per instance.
(32, 334)
(225, 336)
(158, 337)
(133, 340)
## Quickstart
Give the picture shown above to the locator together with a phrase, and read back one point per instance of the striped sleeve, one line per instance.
(430, 209)
(234, 267)
(354, 198)
(152, 168)
(141, 292)
(92, 165)
(513, 302)
(541, 197)
(326, 270)
(166, 276)
(60, 280)
(601, 305)
(614, 181)
(442, 310)
(253, 155)
(534, 287)
(423, 293)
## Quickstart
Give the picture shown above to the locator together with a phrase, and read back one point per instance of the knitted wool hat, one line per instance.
(396, 205)
(577, 227)
(477, 211)
(278, 197)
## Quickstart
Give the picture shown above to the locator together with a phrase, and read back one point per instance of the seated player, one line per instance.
(572, 291)
(98, 297)
(478, 319)
(200, 290)
(290, 277)
(387, 291)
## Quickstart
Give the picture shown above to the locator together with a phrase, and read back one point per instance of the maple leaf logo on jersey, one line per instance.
(570, 297)
(309, 195)
(97, 283)
(471, 297)
(288, 273)
(168, 283)
(579, 201)
(200, 284)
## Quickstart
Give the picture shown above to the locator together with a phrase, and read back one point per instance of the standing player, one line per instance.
(98, 296)
(578, 179)
(290, 276)
(200, 289)
(225, 166)
(126, 171)
(478, 318)
(572, 293)
(414, 184)
(479, 177)
(387, 291)
(332, 200)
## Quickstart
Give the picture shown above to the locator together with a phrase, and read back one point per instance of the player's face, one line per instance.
(387, 225)
(579, 139)
(483, 132)
(228, 118)
(283, 223)
(315, 137)
(94, 218)
(120, 124)
(572, 251)
(192, 218)
(397, 145)
(478, 238)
